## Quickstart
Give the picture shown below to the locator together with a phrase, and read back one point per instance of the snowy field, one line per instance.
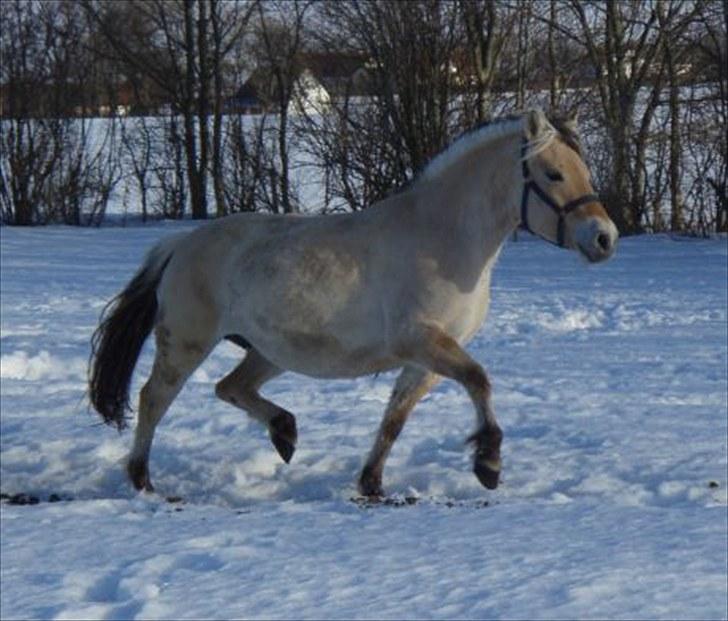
(609, 382)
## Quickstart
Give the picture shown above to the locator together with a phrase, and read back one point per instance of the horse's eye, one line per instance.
(554, 175)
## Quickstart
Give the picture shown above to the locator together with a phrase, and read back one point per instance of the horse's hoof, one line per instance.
(139, 475)
(370, 485)
(372, 495)
(283, 434)
(371, 491)
(487, 474)
(284, 447)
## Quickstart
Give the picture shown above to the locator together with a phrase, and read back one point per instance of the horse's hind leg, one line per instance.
(174, 362)
(240, 388)
(412, 384)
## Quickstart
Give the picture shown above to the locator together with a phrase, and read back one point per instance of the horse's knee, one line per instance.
(233, 394)
(234, 389)
(223, 391)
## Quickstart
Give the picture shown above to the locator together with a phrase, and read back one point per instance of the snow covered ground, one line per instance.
(610, 383)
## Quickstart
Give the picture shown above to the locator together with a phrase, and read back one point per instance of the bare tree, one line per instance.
(181, 46)
(626, 45)
(139, 146)
(170, 170)
(672, 57)
(53, 167)
(486, 25)
(709, 38)
(370, 146)
(523, 51)
(281, 26)
(653, 74)
(229, 23)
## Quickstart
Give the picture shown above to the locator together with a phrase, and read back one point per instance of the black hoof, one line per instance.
(370, 485)
(283, 434)
(487, 463)
(487, 475)
(139, 475)
(284, 447)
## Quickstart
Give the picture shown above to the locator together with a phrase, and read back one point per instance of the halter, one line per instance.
(561, 210)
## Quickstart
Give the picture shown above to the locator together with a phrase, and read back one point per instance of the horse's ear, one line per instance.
(567, 126)
(571, 122)
(536, 124)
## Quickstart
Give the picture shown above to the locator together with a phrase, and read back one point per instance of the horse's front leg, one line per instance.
(412, 384)
(441, 354)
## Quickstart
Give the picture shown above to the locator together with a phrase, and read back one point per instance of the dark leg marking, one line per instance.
(486, 460)
(370, 483)
(283, 434)
(238, 340)
(139, 474)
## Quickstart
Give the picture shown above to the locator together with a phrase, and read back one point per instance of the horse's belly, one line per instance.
(323, 355)
(312, 310)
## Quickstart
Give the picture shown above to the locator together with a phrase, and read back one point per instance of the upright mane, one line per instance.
(482, 134)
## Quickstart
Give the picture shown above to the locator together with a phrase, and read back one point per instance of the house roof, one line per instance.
(331, 70)
(328, 65)
(248, 93)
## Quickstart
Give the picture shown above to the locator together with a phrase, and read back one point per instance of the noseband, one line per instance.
(561, 210)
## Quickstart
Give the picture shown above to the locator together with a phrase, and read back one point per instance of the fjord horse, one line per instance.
(402, 285)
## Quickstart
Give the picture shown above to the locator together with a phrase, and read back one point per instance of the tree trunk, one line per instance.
(619, 203)
(194, 173)
(203, 107)
(553, 69)
(283, 155)
(522, 54)
(217, 172)
(677, 222)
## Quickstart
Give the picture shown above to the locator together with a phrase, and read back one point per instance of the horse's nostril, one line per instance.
(603, 241)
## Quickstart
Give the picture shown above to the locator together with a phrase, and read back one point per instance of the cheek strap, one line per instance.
(529, 184)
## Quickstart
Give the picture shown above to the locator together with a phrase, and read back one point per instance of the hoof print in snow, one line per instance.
(367, 502)
(481, 504)
(29, 499)
(19, 499)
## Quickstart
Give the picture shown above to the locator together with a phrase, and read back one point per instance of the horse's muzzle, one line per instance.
(596, 239)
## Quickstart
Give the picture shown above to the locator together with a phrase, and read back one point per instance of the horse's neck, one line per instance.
(475, 198)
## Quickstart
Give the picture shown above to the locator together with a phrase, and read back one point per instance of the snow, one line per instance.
(610, 383)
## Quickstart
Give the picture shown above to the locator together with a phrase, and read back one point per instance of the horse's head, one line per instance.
(558, 201)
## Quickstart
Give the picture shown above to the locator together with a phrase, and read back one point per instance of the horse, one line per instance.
(402, 285)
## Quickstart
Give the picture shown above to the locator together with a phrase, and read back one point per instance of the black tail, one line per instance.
(125, 324)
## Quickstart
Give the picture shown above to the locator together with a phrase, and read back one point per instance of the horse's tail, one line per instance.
(125, 324)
